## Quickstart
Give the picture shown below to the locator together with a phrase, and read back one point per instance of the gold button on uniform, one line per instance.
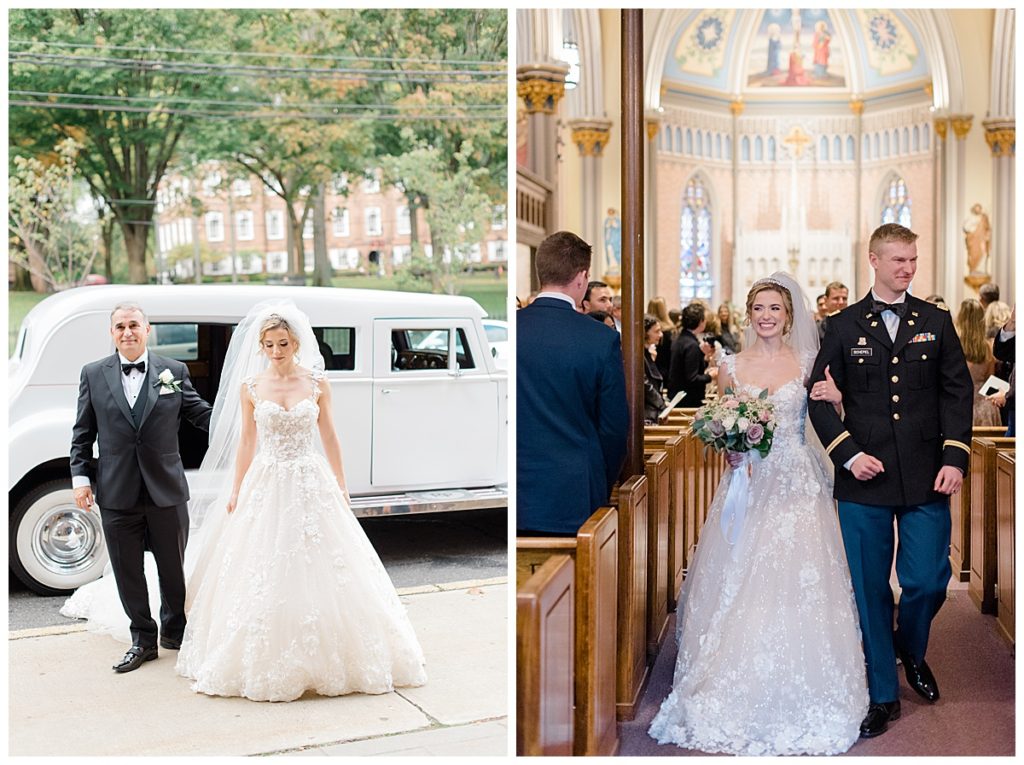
(924, 357)
(860, 361)
(896, 399)
(895, 360)
(896, 416)
(895, 379)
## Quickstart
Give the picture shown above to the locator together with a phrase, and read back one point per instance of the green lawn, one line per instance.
(18, 305)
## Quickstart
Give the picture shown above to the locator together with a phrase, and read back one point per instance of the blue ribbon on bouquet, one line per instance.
(735, 509)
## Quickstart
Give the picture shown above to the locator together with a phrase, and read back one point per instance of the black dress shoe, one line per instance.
(877, 720)
(920, 677)
(170, 643)
(134, 658)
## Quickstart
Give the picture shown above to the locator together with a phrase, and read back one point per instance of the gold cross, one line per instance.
(798, 139)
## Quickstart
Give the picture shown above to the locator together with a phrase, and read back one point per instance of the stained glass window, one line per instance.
(695, 244)
(896, 205)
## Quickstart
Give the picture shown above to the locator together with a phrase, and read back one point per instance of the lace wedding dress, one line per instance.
(291, 596)
(770, 658)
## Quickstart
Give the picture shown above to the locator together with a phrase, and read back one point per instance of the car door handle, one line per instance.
(386, 391)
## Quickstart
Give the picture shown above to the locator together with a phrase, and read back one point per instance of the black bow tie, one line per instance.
(900, 309)
(140, 365)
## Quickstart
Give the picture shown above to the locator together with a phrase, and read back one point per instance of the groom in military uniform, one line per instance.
(900, 451)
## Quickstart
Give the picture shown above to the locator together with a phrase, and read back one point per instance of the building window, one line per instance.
(339, 221)
(307, 228)
(339, 183)
(403, 223)
(210, 184)
(400, 253)
(695, 244)
(275, 224)
(243, 225)
(371, 185)
(241, 188)
(277, 262)
(373, 222)
(499, 218)
(214, 227)
(896, 205)
(497, 251)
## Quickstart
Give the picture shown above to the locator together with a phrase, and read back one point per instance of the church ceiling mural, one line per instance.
(796, 48)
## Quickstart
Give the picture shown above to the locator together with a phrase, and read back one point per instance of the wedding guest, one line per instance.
(598, 297)
(820, 302)
(1005, 349)
(654, 401)
(601, 316)
(970, 328)
(689, 370)
(617, 312)
(836, 297)
(728, 335)
(988, 294)
(657, 308)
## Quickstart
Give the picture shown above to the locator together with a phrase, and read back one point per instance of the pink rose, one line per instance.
(765, 416)
(731, 403)
(754, 434)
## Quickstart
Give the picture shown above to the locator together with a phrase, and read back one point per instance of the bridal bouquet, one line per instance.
(737, 423)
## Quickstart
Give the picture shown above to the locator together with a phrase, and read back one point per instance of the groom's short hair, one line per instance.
(560, 257)
(128, 307)
(890, 232)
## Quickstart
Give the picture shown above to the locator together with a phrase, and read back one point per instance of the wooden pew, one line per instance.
(981, 586)
(674, 446)
(1005, 554)
(545, 616)
(656, 469)
(632, 673)
(960, 515)
(596, 557)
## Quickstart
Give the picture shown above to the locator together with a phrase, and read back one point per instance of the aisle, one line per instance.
(975, 716)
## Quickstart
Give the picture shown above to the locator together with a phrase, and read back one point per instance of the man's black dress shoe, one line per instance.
(877, 720)
(134, 658)
(169, 643)
(920, 677)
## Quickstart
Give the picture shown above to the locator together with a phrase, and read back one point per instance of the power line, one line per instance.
(258, 116)
(270, 104)
(267, 54)
(178, 67)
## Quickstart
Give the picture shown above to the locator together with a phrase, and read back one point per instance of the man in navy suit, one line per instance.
(572, 418)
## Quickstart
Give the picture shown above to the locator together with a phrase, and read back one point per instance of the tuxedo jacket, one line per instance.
(571, 415)
(688, 370)
(128, 456)
(908, 403)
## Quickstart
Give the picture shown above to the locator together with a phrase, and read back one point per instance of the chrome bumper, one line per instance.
(439, 501)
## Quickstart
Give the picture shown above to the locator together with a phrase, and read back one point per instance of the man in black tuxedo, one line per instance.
(572, 417)
(901, 450)
(688, 367)
(133, 402)
(1005, 349)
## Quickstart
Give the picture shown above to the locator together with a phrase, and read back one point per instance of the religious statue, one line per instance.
(977, 237)
(612, 242)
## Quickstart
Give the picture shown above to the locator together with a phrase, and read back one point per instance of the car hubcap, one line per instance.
(67, 540)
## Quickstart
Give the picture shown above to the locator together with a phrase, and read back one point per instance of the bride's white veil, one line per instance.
(244, 359)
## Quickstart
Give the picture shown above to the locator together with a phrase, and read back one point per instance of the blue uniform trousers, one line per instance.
(922, 566)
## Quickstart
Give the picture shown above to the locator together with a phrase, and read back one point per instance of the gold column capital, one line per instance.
(930, 90)
(857, 106)
(590, 140)
(941, 127)
(1001, 140)
(961, 124)
(652, 127)
(540, 95)
(736, 106)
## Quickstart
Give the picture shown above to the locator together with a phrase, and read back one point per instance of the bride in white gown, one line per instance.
(284, 592)
(770, 658)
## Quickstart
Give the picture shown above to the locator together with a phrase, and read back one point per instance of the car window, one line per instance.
(496, 334)
(338, 346)
(177, 341)
(427, 348)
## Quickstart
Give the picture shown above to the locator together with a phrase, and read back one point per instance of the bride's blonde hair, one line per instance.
(770, 285)
(275, 321)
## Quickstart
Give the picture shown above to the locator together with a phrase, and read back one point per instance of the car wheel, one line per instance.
(54, 546)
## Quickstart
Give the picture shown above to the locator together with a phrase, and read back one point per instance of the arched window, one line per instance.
(867, 147)
(917, 138)
(695, 244)
(668, 138)
(745, 149)
(758, 149)
(837, 149)
(896, 203)
(877, 148)
(728, 147)
(927, 137)
(906, 141)
(718, 145)
(679, 141)
(698, 144)
(689, 141)
(823, 149)
(850, 147)
(885, 144)
(707, 144)
(771, 148)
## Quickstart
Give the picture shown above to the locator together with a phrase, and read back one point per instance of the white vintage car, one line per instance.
(422, 425)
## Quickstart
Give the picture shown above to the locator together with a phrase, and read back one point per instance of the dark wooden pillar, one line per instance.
(632, 98)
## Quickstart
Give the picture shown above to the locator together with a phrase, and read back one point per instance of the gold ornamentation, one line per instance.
(652, 129)
(736, 107)
(941, 127)
(591, 142)
(857, 106)
(961, 125)
(838, 440)
(540, 95)
(957, 444)
(798, 140)
(1001, 141)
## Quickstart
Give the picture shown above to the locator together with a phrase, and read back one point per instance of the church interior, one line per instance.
(765, 140)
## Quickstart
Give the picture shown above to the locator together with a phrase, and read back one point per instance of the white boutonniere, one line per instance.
(165, 380)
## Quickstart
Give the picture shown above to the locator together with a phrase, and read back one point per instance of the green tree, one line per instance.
(92, 62)
(54, 226)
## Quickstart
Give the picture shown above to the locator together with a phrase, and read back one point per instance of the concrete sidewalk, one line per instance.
(65, 699)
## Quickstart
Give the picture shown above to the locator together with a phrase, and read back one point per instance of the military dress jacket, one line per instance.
(907, 403)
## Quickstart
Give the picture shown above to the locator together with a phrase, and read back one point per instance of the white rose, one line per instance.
(743, 423)
(166, 377)
(728, 422)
